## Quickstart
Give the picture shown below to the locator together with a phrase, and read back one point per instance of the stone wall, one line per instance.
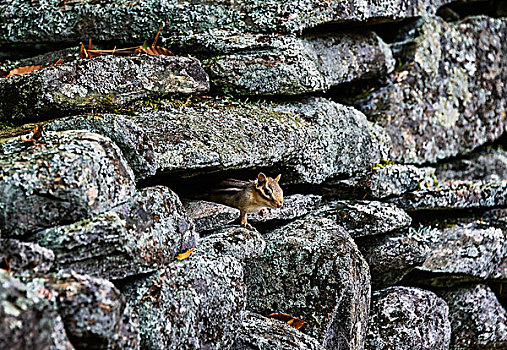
(387, 120)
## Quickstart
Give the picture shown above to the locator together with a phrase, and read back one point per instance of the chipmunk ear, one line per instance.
(261, 178)
(278, 177)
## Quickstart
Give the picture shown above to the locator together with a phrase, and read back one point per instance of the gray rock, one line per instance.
(260, 333)
(487, 166)
(478, 321)
(292, 66)
(470, 251)
(138, 237)
(235, 241)
(408, 318)
(365, 218)
(27, 322)
(23, 256)
(209, 216)
(294, 206)
(312, 270)
(105, 82)
(382, 181)
(391, 257)
(117, 20)
(192, 304)
(313, 139)
(456, 195)
(68, 176)
(450, 98)
(457, 253)
(93, 310)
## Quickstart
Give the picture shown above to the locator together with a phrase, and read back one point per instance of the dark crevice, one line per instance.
(458, 10)
(446, 217)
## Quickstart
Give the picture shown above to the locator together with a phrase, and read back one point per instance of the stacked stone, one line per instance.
(392, 234)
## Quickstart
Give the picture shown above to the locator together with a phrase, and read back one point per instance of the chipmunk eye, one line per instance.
(267, 192)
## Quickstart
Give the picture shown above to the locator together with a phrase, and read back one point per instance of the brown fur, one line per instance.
(249, 196)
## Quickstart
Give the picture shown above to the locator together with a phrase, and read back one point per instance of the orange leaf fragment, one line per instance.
(36, 135)
(184, 255)
(156, 50)
(291, 320)
(28, 69)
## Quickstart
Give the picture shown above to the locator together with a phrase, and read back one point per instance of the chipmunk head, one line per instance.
(270, 190)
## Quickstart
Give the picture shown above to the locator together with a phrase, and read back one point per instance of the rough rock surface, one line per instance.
(130, 22)
(209, 216)
(92, 309)
(314, 139)
(478, 320)
(27, 323)
(192, 304)
(294, 206)
(138, 237)
(22, 256)
(235, 241)
(391, 257)
(260, 333)
(408, 318)
(105, 82)
(456, 195)
(450, 98)
(365, 218)
(381, 182)
(291, 66)
(68, 176)
(463, 252)
(312, 270)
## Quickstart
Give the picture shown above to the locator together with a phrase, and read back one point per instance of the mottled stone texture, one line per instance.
(382, 181)
(22, 256)
(105, 82)
(192, 304)
(451, 97)
(260, 333)
(456, 195)
(366, 218)
(294, 206)
(93, 311)
(54, 21)
(478, 321)
(291, 66)
(235, 241)
(27, 323)
(313, 139)
(209, 216)
(311, 269)
(408, 318)
(138, 237)
(68, 176)
(391, 257)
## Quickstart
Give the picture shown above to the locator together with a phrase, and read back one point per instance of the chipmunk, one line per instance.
(249, 196)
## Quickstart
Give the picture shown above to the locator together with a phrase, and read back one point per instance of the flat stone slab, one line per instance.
(382, 181)
(259, 332)
(104, 82)
(195, 303)
(28, 322)
(293, 66)
(66, 177)
(118, 20)
(93, 310)
(311, 269)
(140, 236)
(456, 195)
(451, 67)
(478, 320)
(24, 256)
(313, 139)
(366, 218)
(408, 318)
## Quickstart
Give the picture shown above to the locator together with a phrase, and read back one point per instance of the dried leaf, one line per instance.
(292, 321)
(36, 135)
(28, 69)
(184, 255)
(156, 36)
(5, 265)
(156, 50)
